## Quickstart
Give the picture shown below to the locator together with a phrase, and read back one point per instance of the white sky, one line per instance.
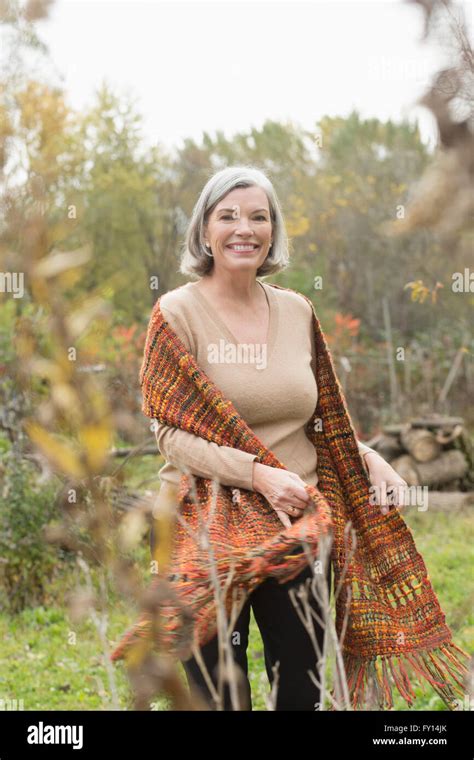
(202, 66)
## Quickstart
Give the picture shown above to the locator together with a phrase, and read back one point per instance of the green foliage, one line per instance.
(27, 562)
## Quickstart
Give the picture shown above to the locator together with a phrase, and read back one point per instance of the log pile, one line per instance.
(433, 451)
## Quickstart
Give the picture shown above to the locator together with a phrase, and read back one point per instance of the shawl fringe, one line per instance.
(375, 679)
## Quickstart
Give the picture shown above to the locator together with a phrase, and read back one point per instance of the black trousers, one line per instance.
(285, 640)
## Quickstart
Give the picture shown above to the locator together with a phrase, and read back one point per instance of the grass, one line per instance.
(52, 664)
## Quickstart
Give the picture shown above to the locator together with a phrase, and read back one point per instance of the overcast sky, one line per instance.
(202, 66)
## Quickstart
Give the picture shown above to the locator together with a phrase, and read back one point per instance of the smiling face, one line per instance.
(239, 230)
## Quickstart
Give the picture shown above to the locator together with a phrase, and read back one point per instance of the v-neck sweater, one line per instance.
(272, 386)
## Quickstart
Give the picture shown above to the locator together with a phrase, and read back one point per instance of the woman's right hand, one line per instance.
(284, 491)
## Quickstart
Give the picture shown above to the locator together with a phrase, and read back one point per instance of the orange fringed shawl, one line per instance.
(395, 621)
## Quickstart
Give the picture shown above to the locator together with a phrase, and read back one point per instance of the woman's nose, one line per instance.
(243, 226)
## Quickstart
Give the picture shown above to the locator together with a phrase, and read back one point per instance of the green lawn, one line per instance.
(52, 664)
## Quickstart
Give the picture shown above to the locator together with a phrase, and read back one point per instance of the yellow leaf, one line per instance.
(46, 369)
(96, 440)
(56, 263)
(61, 454)
(65, 397)
(93, 308)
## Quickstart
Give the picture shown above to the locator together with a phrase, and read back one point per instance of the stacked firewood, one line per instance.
(433, 451)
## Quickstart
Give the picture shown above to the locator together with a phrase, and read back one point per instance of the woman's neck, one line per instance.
(229, 287)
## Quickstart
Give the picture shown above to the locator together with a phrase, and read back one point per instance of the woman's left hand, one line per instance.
(390, 487)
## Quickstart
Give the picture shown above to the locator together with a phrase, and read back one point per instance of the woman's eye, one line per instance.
(229, 216)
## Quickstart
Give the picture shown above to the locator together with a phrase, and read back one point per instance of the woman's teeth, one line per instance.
(242, 247)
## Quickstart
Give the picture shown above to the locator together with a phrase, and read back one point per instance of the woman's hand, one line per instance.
(284, 491)
(390, 486)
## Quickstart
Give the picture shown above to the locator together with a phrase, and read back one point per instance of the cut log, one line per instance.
(421, 444)
(465, 444)
(394, 429)
(388, 446)
(444, 436)
(435, 421)
(448, 466)
(406, 468)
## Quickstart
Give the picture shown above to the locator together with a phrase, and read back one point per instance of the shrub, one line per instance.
(27, 562)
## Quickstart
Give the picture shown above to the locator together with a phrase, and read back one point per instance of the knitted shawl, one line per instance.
(387, 614)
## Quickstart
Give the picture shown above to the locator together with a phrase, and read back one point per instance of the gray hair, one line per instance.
(194, 259)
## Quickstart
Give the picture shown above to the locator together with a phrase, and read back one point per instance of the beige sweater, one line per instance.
(273, 387)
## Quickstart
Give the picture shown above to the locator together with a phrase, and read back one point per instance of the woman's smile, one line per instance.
(243, 247)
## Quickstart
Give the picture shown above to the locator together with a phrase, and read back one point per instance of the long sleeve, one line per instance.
(185, 451)
(231, 467)
(364, 449)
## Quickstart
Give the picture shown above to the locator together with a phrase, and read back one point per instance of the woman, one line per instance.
(256, 344)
